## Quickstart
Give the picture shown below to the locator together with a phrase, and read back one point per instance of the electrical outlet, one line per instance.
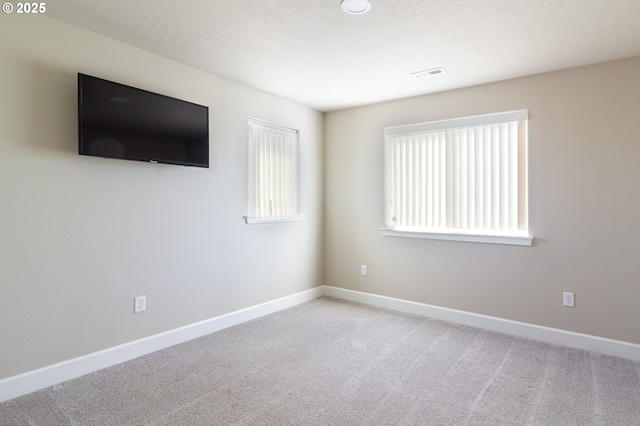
(363, 269)
(139, 304)
(568, 299)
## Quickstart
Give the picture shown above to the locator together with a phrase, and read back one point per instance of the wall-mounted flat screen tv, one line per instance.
(118, 121)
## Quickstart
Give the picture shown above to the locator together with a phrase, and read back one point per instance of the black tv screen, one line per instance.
(118, 121)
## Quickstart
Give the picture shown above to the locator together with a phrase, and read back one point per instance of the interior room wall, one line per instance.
(80, 236)
(583, 205)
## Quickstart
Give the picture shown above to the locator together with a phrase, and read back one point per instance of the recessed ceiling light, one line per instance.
(356, 7)
(428, 73)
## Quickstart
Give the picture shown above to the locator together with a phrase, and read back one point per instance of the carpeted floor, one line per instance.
(331, 362)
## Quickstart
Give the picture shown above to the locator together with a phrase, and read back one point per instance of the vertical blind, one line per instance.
(273, 170)
(466, 174)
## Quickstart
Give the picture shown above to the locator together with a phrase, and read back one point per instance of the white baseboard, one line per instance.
(530, 331)
(31, 381)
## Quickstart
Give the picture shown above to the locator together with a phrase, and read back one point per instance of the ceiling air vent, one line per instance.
(428, 73)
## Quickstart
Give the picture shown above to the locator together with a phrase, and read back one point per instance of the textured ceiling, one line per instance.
(311, 52)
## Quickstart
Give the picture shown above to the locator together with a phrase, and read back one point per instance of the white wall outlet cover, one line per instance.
(140, 304)
(568, 299)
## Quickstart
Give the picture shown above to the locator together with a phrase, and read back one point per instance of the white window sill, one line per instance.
(506, 238)
(258, 220)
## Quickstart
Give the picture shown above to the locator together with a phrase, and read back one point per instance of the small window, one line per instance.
(462, 179)
(273, 173)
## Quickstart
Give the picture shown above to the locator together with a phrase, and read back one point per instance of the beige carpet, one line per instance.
(330, 362)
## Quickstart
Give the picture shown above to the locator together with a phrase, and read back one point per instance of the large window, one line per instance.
(273, 173)
(461, 179)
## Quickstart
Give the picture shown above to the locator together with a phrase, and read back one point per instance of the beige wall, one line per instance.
(584, 170)
(81, 236)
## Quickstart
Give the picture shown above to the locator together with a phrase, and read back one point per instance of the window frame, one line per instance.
(283, 163)
(519, 236)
